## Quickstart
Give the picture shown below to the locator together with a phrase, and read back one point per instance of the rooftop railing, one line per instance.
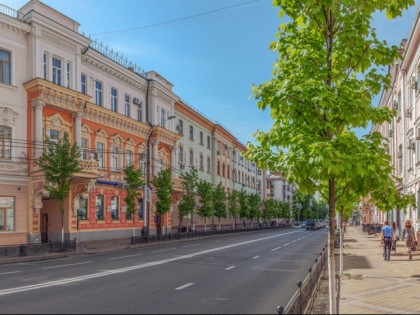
(10, 12)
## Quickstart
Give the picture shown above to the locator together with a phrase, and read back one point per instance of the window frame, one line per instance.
(99, 90)
(5, 67)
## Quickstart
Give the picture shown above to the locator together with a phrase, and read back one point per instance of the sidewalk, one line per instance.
(371, 285)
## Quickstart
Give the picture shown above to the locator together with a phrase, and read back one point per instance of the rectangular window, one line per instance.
(98, 93)
(201, 162)
(162, 118)
(180, 127)
(100, 148)
(114, 158)
(114, 208)
(128, 157)
(5, 69)
(83, 80)
(140, 112)
(181, 154)
(127, 105)
(208, 165)
(208, 142)
(140, 208)
(56, 70)
(85, 149)
(191, 158)
(191, 132)
(82, 211)
(68, 71)
(45, 66)
(114, 100)
(54, 135)
(99, 207)
(5, 142)
(201, 138)
(7, 214)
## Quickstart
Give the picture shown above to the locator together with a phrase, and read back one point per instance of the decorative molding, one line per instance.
(58, 42)
(98, 66)
(8, 116)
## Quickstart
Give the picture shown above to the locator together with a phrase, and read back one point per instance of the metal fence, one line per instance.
(37, 249)
(144, 238)
(306, 288)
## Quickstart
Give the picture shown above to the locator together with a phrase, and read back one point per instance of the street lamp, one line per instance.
(148, 172)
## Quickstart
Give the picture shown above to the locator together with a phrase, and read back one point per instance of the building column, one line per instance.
(173, 163)
(38, 105)
(78, 128)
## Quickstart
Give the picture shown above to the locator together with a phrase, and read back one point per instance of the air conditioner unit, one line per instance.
(137, 101)
(408, 113)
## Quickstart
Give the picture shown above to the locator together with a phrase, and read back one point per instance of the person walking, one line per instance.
(410, 237)
(386, 239)
(395, 237)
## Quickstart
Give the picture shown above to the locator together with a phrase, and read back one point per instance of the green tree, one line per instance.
(205, 191)
(133, 184)
(243, 206)
(59, 161)
(219, 202)
(164, 190)
(324, 81)
(233, 207)
(254, 202)
(187, 204)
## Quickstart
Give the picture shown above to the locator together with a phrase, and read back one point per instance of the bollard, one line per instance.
(299, 284)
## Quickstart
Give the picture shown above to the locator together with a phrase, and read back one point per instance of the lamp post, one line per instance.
(148, 173)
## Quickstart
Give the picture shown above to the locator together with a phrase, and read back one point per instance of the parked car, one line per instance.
(310, 224)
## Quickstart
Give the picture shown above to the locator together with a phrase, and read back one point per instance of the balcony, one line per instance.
(89, 169)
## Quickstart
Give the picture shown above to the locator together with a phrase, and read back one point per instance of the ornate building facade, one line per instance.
(54, 80)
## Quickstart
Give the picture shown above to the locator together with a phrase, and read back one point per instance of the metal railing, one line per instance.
(306, 288)
(10, 12)
(37, 249)
(144, 238)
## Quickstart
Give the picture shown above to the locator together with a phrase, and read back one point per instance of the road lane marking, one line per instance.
(286, 244)
(163, 250)
(255, 257)
(131, 268)
(185, 286)
(10, 272)
(275, 249)
(68, 265)
(122, 257)
(229, 268)
(191, 245)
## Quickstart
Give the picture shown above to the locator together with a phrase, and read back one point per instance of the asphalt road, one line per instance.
(244, 273)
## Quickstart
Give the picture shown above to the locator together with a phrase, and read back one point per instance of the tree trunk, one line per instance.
(331, 247)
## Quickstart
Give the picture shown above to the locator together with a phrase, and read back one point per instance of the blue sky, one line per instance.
(212, 51)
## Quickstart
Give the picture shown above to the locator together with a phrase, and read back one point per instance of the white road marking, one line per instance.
(62, 266)
(255, 257)
(184, 286)
(286, 244)
(231, 267)
(10, 272)
(130, 268)
(163, 250)
(275, 249)
(122, 257)
(191, 245)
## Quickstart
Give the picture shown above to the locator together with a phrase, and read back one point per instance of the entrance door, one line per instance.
(44, 228)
